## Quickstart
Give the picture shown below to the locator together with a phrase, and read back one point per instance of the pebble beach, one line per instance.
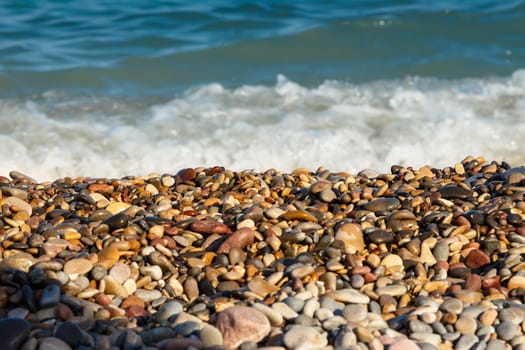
(210, 258)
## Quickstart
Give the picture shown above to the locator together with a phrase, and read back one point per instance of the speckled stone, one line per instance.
(239, 324)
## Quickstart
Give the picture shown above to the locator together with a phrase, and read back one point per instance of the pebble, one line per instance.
(274, 316)
(466, 325)
(262, 287)
(167, 310)
(352, 237)
(239, 324)
(210, 336)
(70, 333)
(507, 330)
(78, 266)
(50, 296)
(52, 343)
(304, 338)
(416, 258)
(148, 295)
(355, 312)
(392, 290)
(349, 296)
(120, 272)
(466, 342)
(286, 311)
(13, 332)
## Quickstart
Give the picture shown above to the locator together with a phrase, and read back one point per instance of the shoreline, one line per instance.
(209, 258)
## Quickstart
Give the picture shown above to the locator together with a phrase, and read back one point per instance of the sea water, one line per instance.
(109, 89)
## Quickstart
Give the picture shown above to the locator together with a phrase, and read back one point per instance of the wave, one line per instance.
(342, 126)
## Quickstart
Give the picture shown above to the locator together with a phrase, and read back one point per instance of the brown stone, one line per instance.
(516, 282)
(239, 239)
(63, 312)
(492, 282)
(239, 324)
(108, 256)
(352, 237)
(299, 215)
(135, 311)
(102, 299)
(19, 261)
(187, 174)
(132, 301)
(476, 259)
(114, 287)
(473, 283)
(262, 287)
(79, 266)
(101, 188)
(210, 227)
(468, 296)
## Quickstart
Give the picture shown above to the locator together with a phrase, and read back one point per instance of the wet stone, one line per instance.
(379, 236)
(382, 204)
(117, 221)
(455, 192)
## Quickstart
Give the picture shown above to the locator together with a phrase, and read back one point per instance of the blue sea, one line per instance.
(115, 88)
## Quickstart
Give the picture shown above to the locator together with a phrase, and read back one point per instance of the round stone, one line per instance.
(507, 330)
(78, 266)
(466, 325)
(210, 336)
(168, 309)
(154, 271)
(239, 324)
(304, 338)
(120, 272)
(452, 305)
(513, 313)
(148, 295)
(355, 312)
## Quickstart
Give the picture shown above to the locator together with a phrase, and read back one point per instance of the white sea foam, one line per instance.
(416, 121)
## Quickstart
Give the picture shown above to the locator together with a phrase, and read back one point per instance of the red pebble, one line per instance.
(239, 239)
(132, 301)
(135, 311)
(102, 299)
(210, 227)
(361, 270)
(63, 312)
(473, 283)
(477, 259)
(187, 174)
(492, 282)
